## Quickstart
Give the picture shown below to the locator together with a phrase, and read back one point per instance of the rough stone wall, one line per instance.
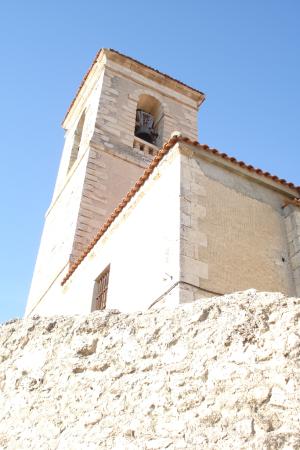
(219, 373)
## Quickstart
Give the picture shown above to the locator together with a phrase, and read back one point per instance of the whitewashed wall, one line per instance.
(141, 246)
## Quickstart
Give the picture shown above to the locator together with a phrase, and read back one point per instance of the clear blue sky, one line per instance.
(243, 54)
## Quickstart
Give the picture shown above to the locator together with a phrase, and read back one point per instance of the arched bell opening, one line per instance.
(149, 120)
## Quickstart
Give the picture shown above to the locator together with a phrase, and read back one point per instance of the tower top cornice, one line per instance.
(108, 54)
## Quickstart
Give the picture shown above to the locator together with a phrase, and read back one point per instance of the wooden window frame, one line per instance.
(101, 289)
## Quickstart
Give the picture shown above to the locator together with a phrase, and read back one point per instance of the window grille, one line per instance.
(101, 289)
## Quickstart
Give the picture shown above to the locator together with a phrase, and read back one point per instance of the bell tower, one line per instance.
(121, 115)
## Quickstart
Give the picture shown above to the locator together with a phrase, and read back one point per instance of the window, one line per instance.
(101, 287)
(76, 141)
(149, 120)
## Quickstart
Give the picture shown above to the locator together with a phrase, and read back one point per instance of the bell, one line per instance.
(144, 126)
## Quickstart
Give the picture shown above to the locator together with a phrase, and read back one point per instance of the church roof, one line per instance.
(134, 61)
(162, 152)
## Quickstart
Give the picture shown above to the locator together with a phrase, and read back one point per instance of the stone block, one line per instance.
(185, 219)
(297, 219)
(188, 249)
(190, 278)
(185, 206)
(295, 261)
(201, 242)
(198, 211)
(193, 266)
(193, 235)
(185, 190)
(198, 189)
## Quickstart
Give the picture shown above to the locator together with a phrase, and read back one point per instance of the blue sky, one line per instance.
(243, 55)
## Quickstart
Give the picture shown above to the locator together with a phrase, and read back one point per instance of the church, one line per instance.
(142, 213)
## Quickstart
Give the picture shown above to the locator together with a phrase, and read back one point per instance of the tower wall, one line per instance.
(95, 174)
(61, 219)
(57, 239)
(114, 164)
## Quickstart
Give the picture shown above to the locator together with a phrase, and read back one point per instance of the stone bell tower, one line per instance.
(121, 115)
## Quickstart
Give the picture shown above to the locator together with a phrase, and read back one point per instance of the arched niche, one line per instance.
(76, 140)
(149, 122)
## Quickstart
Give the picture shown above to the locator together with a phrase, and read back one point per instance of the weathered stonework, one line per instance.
(239, 223)
(215, 374)
(193, 269)
(292, 220)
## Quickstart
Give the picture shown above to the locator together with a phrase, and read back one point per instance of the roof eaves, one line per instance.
(162, 152)
(242, 164)
(293, 201)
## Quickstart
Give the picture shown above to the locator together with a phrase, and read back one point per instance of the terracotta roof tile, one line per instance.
(162, 152)
(294, 201)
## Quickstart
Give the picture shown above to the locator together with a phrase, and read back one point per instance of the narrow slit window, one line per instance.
(101, 289)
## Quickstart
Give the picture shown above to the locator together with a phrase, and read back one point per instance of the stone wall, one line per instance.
(292, 220)
(219, 373)
(233, 231)
(117, 109)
